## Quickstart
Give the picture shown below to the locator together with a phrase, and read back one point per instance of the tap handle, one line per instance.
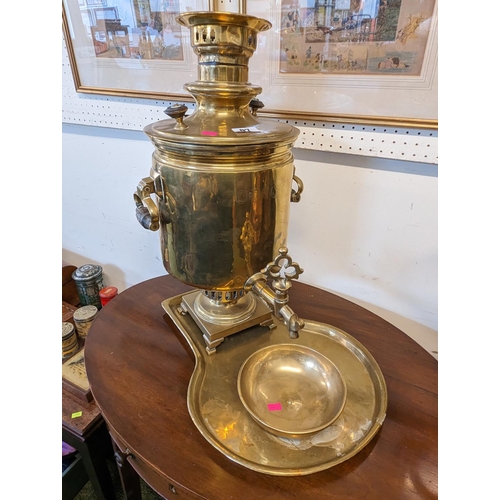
(283, 270)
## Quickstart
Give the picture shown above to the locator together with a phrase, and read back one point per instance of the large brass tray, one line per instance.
(218, 413)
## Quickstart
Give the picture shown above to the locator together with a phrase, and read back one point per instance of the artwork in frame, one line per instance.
(132, 48)
(363, 61)
(359, 61)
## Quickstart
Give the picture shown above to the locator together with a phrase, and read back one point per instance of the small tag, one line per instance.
(246, 129)
(274, 406)
(76, 414)
(209, 133)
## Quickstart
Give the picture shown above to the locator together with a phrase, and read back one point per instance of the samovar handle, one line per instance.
(146, 210)
(295, 196)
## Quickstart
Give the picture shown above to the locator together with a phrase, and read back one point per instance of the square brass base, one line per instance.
(214, 334)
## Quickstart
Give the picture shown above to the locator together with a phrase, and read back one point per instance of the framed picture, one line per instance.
(359, 61)
(364, 61)
(131, 48)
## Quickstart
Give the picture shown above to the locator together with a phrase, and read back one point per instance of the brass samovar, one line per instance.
(219, 191)
(224, 179)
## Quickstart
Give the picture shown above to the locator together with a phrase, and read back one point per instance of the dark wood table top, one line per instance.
(139, 371)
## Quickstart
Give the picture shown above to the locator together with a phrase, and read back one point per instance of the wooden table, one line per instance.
(139, 370)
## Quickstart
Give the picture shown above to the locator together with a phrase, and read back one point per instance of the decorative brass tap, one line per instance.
(283, 271)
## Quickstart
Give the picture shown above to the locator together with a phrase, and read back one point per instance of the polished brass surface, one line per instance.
(221, 223)
(283, 271)
(223, 177)
(217, 321)
(235, 33)
(218, 413)
(226, 312)
(291, 390)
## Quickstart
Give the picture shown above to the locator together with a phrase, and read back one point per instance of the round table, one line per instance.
(139, 369)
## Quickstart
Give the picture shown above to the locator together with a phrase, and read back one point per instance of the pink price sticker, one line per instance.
(209, 133)
(274, 406)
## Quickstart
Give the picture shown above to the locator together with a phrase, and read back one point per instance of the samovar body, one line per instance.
(222, 219)
(223, 178)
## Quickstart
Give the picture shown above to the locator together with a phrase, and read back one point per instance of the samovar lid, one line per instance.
(225, 115)
(224, 133)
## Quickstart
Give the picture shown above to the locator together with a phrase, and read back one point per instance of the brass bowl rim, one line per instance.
(281, 432)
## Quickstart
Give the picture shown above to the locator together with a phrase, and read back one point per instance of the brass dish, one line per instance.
(291, 390)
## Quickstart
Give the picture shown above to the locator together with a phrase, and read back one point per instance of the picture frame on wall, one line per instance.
(130, 48)
(362, 61)
(354, 61)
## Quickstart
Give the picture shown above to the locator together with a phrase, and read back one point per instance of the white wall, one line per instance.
(366, 228)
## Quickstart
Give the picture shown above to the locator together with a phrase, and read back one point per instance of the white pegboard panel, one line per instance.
(411, 144)
(112, 112)
(365, 140)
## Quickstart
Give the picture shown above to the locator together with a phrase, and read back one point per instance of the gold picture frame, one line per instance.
(130, 49)
(353, 61)
(372, 62)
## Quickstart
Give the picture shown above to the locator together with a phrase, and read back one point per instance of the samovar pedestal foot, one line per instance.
(219, 321)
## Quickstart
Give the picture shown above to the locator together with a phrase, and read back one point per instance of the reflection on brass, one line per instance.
(220, 416)
(291, 390)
